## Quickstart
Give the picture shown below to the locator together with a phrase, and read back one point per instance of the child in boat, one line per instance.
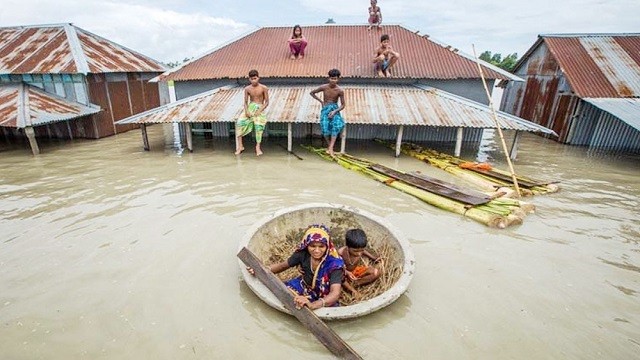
(331, 122)
(385, 57)
(357, 273)
(321, 268)
(297, 43)
(375, 15)
(256, 100)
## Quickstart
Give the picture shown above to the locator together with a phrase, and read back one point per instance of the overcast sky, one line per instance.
(170, 30)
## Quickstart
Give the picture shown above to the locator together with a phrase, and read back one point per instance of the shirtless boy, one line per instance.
(357, 272)
(331, 122)
(256, 100)
(385, 57)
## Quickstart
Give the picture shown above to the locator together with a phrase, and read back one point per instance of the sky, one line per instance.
(172, 30)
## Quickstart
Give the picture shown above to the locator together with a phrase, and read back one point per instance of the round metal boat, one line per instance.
(339, 218)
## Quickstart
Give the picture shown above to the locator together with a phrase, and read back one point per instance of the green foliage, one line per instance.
(506, 63)
(173, 64)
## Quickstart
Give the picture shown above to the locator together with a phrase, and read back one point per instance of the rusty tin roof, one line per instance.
(65, 48)
(596, 65)
(349, 48)
(23, 105)
(373, 105)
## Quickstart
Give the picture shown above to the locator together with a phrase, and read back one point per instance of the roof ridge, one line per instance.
(82, 66)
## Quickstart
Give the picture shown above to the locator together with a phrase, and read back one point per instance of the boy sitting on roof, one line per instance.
(385, 57)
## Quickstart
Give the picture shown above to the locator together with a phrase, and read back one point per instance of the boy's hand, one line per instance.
(350, 275)
(251, 271)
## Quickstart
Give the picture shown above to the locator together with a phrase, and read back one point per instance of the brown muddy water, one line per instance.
(111, 252)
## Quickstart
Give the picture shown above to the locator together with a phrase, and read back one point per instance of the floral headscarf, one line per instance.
(330, 261)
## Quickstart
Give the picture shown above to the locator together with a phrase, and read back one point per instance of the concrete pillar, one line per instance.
(31, 135)
(458, 142)
(289, 137)
(343, 139)
(513, 153)
(399, 140)
(189, 136)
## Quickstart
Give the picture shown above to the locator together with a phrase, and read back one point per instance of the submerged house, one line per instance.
(435, 92)
(60, 81)
(586, 87)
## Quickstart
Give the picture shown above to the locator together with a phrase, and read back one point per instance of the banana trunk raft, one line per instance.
(481, 175)
(488, 209)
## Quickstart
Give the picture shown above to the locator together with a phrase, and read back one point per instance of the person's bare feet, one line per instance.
(369, 28)
(239, 151)
(386, 73)
(258, 151)
(293, 57)
(381, 74)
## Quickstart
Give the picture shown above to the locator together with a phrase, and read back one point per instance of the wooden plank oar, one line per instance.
(318, 328)
(434, 187)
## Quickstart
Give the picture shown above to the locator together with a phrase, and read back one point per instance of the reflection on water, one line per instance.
(111, 252)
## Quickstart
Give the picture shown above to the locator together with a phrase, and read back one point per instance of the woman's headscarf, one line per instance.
(330, 261)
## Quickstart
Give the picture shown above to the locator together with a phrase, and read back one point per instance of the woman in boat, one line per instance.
(321, 268)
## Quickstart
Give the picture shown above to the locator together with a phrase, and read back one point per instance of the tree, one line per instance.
(173, 64)
(496, 59)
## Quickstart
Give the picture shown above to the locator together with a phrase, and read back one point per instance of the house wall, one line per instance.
(354, 131)
(468, 88)
(185, 89)
(471, 89)
(546, 97)
(119, 95)
(597, 128)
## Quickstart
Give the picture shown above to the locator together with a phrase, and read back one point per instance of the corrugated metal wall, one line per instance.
(121, 95)
(546, 97)
(355, 131)
(596, 128)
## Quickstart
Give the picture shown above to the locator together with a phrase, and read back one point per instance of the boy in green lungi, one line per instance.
(256, 99)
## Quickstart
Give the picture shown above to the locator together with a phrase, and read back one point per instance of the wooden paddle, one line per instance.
(306, 316)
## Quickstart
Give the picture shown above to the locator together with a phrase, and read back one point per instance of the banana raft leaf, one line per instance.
(498, 213)
(493, 179)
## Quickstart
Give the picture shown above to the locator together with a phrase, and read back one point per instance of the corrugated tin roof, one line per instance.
(349, 48)
(22, 105)
(64, 48)
(627, 110)
(599, 65)
(375, 105)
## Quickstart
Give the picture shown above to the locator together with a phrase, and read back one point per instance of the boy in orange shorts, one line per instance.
(357, 272)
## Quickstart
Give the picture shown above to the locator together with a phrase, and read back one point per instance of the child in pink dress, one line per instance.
(297, 43)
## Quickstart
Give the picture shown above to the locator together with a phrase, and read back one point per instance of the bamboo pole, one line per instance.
(495, 119)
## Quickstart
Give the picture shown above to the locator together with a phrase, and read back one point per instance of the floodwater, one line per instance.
(111, 252)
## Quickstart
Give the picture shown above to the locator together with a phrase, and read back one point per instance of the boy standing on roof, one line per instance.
(385, 57)
(256, 99)
(331, 122)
